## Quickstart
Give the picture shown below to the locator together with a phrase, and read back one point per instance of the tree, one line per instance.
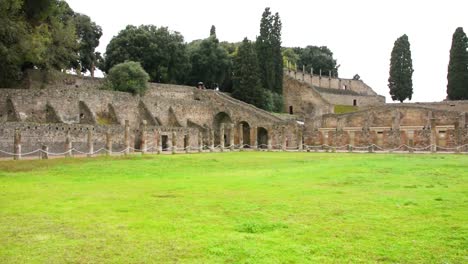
(161, 52)
(13, 37)
(457, 76)
(268, 47)
(128, 77)
(209, 62)
(88, 35)
(35, 34)
(401, 70)
(290, 57)
(277, 55)
(213, 31)
(318, 58)
(247, 85)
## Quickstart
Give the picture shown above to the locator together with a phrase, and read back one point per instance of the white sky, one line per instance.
(360, 33)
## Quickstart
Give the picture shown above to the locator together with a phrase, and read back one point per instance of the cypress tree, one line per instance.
(401, 70)
(247, 84)
(457, 76)
(265, 52)
(277, 55)
(213, 31)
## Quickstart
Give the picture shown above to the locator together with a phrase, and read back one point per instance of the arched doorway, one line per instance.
(262, 137)
(221, 118)
(245, 134)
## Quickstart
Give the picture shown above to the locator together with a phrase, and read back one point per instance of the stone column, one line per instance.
(17, 144)
(127, 137)
(231, 137)
(221, 137)
(300, 146)
(433, 135)
(212, 140)
(68, 145)
(143, 145)
(174, 142)
(90, 143)
(200, 141)
(324, 140)
(241, 136)
(351, 141)
(187, 147)
(410, 134)
(158, 139)
(44, 152)
(109, 143)
(253, 138)
(269, 146)
(283, 138)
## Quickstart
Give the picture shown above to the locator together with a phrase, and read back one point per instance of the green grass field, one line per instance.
(251, 207)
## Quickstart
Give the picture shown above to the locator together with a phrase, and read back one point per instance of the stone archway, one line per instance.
(245, 134)
(221, 118)
(262, 137)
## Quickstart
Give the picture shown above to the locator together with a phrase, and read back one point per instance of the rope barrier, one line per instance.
(373, 147)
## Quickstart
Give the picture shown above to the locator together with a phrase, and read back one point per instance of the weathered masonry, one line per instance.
(306, 94)
(69, 113)
(390, 127)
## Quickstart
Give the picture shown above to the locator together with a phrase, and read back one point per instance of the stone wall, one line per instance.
(313, 97)
(390, 126)
(303, 99)
(77, 104)
(329, 82)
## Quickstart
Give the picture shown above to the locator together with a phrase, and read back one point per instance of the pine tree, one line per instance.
(401, 70)
(457, 76)
(247, 85)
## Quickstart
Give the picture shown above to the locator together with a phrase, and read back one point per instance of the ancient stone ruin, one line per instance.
(73, 116)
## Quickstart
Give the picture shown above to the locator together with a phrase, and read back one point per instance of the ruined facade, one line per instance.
(74, 113)
(72, 109)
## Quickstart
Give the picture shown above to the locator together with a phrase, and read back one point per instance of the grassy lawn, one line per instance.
(251, 207)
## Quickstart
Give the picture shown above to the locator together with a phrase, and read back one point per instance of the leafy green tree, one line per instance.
(35, 34)
(401, 70)
(62, 50)
(457, 87)
(161, 52)
(290, 57)
(88, 35)
(247, 85)
(13, 36)
(209, 62)
(319, 58)
(268, 47)
(129, 77)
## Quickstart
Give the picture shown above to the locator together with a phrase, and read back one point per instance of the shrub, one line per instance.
(128, 77)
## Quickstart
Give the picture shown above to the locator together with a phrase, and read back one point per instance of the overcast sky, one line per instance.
(360, 33)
